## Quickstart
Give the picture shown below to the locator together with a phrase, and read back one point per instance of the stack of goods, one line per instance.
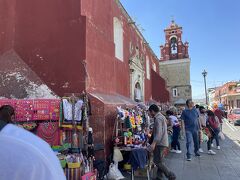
(76, 165)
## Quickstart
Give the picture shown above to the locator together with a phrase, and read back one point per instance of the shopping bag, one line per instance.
(207, 132)
(201, 136)
(205, 137)
(221, 136)
(114, 173)
(153, 172)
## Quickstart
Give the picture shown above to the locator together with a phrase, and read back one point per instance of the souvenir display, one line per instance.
(74, 125)
(34, 110)
(46, 109)
(132, 122)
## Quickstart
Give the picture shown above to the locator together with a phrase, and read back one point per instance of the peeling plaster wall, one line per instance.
(18, 81)
(49, 37)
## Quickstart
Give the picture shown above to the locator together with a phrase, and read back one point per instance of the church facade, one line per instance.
(174, 65)
(52, 48)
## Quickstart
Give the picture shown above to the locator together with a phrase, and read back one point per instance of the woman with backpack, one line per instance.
(213, 126)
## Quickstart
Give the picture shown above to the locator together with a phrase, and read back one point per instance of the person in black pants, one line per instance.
(213, 125)
(175, 145)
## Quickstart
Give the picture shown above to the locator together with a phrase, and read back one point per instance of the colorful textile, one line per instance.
(45, 109)
(49, 132)
(32, 110)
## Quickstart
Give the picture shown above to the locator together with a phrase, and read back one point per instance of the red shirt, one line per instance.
(219, 113)
(213, 123)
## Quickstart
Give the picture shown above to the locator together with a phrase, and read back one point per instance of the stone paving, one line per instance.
(225, 165)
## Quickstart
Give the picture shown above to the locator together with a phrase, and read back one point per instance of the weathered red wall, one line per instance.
(7, 20)
(159, 91)
(106, 73)
(55, 37)
(50, 37)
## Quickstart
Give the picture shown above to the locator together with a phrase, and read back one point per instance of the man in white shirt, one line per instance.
(24, 156)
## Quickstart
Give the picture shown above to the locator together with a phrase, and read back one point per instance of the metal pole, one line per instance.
(205, 89)
(204, 73)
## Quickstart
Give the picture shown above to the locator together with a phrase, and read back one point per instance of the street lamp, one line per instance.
(204, 73)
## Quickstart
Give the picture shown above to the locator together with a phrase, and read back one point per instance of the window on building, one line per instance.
(175, 92)
(154, 67)
(118, 38)
(238, 103)
(148, 68)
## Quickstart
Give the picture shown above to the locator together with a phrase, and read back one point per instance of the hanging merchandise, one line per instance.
(75, 140)
(24, 110)
(49, 132)
(45, 109)
(132, 124)
(131, 141)
(128, 123)
(64, 124)
(34, 110)
(90, 150)
(68, 108)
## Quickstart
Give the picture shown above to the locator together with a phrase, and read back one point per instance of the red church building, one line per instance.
(51, 48)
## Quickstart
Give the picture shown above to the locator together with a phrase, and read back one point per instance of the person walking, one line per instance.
(190, 117)
(24, 155)
(220, 114)
(159, 142)
(202, 124)
(213, 125)
(175, 145)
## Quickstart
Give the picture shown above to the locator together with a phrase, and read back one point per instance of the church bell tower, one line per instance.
(175, 65)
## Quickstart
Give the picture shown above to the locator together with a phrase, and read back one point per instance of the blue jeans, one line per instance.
(215, 136)
(192, 136)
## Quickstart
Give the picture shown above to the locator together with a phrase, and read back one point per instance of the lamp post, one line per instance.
(204, 73)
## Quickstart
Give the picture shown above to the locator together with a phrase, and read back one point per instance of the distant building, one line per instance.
(175, 65)
(227, 94)
(211, 96)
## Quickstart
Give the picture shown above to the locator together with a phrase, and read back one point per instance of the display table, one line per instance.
(135, 158)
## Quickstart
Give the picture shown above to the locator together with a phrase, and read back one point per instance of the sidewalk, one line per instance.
(225, 165)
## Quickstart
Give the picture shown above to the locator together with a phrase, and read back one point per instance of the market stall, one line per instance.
(131, 137)
(63, 123)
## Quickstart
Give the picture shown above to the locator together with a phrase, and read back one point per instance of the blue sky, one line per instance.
(212, 28)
